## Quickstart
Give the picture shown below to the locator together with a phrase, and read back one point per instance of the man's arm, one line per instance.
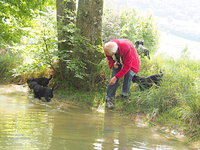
(127, 60)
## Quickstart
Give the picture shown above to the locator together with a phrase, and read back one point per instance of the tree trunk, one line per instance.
(65, 16)
(89, 21)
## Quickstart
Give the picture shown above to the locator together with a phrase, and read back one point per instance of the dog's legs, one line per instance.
(35, 96)
(47, 99)
(141, 88)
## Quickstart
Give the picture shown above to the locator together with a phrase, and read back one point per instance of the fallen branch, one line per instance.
(126, 105)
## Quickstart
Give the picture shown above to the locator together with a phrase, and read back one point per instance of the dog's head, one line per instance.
(51, 95)
(32, 84)
(161, 73)
(48, 93)
(138, 42)
(30, 80)
(136, 79)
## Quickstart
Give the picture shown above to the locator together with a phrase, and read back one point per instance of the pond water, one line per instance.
(30, 124)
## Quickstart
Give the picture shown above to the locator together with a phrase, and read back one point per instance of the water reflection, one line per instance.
(23, 125)
(31, 125)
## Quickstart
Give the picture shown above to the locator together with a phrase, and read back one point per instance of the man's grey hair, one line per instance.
(111, 47)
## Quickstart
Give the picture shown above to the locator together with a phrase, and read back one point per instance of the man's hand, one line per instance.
(115, 65)
(113, 80)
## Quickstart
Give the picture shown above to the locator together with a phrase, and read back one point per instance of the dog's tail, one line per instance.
(54, 86)
(50, 77)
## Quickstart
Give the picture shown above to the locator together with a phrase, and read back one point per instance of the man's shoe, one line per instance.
(109, 103)
(125, 98)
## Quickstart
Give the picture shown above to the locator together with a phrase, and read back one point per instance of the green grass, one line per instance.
(176, 103)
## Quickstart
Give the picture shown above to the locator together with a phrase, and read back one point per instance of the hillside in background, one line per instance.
(180, 18)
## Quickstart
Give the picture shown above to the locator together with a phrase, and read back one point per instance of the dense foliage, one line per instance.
(15, 15)
(131, 23)
(7, 63)
(39, 47)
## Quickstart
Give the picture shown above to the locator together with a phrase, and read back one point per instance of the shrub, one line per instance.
(9, 61)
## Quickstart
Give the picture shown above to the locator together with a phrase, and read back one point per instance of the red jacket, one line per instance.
(129, 57)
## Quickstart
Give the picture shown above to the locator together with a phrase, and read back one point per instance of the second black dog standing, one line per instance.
(147, 82)
(142, 51)
(41, 81)
(40, 91)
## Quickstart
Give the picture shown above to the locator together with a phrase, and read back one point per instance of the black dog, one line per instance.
(41, 81)
(141, 49)
(40, 91)
(147, 82)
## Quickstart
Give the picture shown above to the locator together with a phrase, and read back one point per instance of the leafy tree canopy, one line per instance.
(17, 14)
